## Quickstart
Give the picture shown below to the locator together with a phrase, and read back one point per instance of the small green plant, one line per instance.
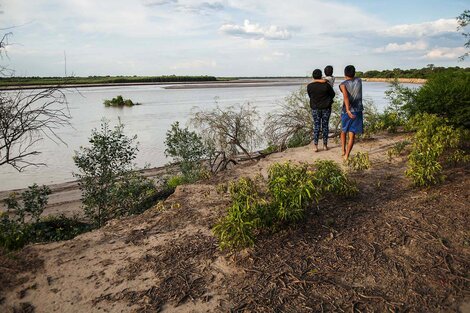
(359, 162)
(397, 149)
(175, 181)
(331, 178)
(34, 201)
(435, 144)
(292, 188)
(237, 228)
(188, 149)
(119, 101)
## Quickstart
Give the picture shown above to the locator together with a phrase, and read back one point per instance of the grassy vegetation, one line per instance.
(119, 101)
(424, 72)
(29, 81)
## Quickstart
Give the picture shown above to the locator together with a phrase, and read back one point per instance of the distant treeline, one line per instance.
(25, 81)
(424, 72)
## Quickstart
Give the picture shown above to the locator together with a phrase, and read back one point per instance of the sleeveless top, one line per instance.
(354, 89)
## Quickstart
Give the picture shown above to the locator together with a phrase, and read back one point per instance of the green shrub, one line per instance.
(13, 234)
(237, 228)
(175, 181)
(359, 161)
(110, 185)
(446, 95)
(435, 143)
(119, 101)
(330, 177)
(188, 149)
(34, 201)
(292, 189)
(397, 149)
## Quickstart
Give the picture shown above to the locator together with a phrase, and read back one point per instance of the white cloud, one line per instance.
(276, 55)
(422, 29)
(444, 53)
(407, 46)
(249, 30)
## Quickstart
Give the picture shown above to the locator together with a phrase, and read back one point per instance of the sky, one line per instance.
(227, 37)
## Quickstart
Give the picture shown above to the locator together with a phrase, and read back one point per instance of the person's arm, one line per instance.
(346, 101)
(322, 80)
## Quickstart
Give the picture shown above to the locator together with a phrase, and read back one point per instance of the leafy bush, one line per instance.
(359, 162)
(446, 95)
(397, 149)
(175, 181)
(110, 185)
(15, 235)
(119, 101)
(237, 228)
(34, 200)
(290, 190)
(330, 177)
(435, 144)
(187, 148)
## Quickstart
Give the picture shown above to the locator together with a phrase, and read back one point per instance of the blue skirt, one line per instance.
(352, 125)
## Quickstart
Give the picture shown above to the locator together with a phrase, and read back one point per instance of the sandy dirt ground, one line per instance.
(393, 248)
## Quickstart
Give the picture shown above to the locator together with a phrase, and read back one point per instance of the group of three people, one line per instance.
(322, 95)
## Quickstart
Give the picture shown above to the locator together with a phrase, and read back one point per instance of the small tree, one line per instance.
(464, 20)
(110, 186)
(229, 130)
(187, 148)
(292, 122)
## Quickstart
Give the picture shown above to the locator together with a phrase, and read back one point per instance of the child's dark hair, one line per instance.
(350, 71)
(328, 70)
(316, 74)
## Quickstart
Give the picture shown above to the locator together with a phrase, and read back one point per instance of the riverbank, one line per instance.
(347, 255)
(400, 80)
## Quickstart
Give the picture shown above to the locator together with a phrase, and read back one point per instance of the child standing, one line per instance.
(351, 114)
(330, 79)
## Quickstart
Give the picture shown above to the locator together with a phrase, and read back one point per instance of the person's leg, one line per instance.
(325, 127)
(343, 143)
(351, 136)
(316, 128)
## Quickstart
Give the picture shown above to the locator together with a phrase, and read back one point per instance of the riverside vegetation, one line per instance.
(119, 101)
(111, 186)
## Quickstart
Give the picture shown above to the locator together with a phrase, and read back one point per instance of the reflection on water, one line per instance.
(150, 121)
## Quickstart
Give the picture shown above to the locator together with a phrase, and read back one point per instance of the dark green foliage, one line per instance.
(110, 185)
(424, 72)
(34, 201)
(464, 20)
(446, 95)
(291, 189)
(15, 235)
(435, 144)
(23, 81)
(187, 148)
(119, 101)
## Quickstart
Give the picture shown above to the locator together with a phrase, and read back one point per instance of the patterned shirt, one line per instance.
(354, 89)
(330, 80)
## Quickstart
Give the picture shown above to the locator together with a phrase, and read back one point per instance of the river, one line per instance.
(149, 121)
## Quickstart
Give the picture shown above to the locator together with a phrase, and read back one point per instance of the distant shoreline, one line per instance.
(252, 82)
(400, 80)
